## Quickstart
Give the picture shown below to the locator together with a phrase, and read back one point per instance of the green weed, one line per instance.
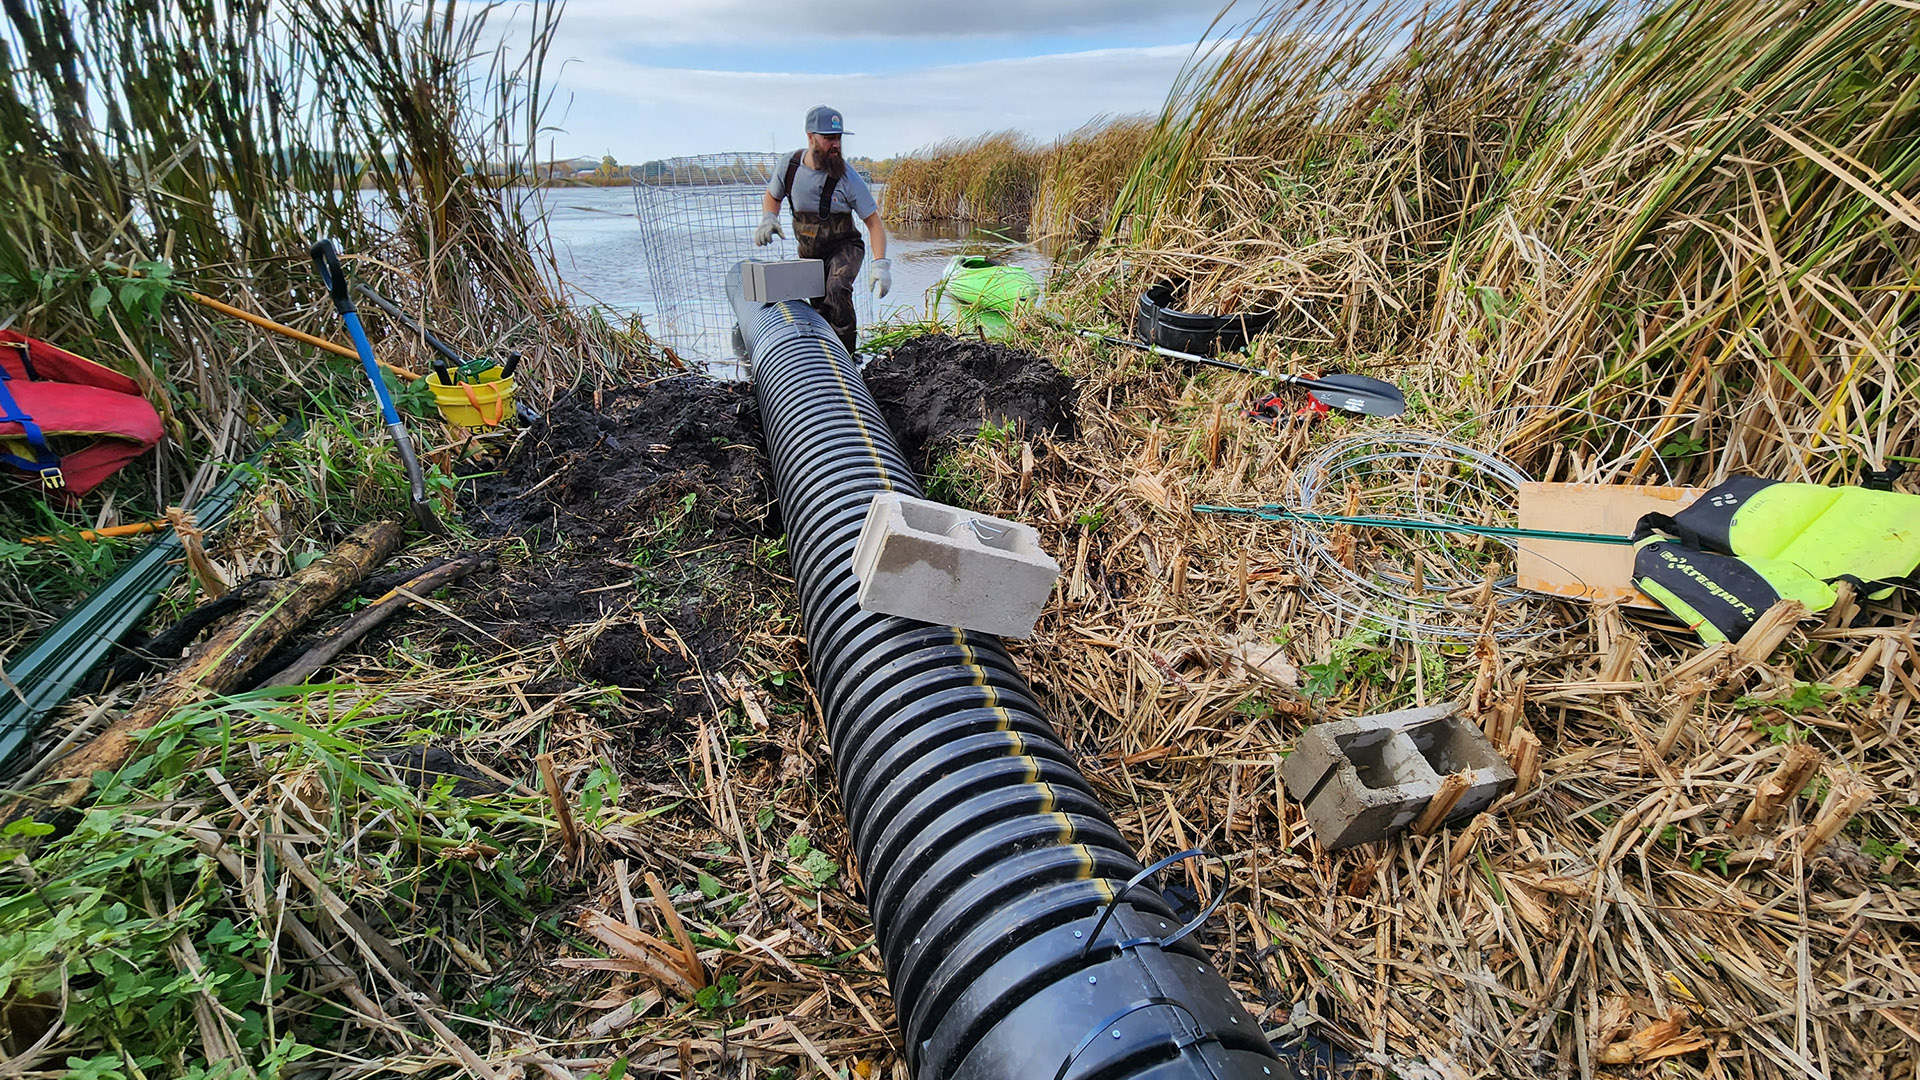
(1354, 655)
(955, 482)
(141, 928)
(720, 995)
(812, 868)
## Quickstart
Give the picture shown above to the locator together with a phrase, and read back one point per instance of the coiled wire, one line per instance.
(1427, 585)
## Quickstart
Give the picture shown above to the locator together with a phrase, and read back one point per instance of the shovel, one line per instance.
(1348, 393)
(327, 259)
(445, 360)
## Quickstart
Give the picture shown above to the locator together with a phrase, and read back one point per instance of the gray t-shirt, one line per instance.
(850, 194)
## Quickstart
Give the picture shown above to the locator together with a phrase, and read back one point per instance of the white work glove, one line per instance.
(881, 277)
(769, 228)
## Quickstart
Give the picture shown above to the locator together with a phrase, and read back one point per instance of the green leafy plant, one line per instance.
(720, 994)
(1000, 435)
(815, 869)
(91, 924)
(1682, 445)
(141, 292)
(954, 482)
(1350, 655)
(599, 790)
(1881, 851)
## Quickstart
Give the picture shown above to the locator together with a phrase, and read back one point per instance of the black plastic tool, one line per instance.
(1348, 393)
(448, 357)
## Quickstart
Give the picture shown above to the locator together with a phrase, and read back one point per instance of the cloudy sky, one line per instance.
(670, 77)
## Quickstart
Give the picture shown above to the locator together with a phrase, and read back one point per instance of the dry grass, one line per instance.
(1721, 245)
(1083, 173)
(988, 178)
(1608, 914)
(1065, 190)
(1614, 912)
(1702, 235)
(1321, 157)
(1709, 872)
(1708, 232)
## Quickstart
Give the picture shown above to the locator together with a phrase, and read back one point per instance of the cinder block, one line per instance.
(951, 567)
(1367, 778)
(793, 279)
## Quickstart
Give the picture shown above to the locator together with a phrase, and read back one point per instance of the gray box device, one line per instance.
(772, 282)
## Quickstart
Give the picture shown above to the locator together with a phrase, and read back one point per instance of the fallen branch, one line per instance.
(371, 618)
(222, 662)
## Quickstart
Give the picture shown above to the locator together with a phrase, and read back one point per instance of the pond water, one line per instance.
(600, 252)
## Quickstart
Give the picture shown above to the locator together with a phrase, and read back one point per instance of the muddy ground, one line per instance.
(939, 389)
(647, 509)
(635, 533)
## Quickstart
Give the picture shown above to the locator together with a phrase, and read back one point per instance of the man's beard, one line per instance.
(832, 163)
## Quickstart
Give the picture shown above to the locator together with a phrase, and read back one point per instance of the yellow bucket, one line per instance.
(484, 402)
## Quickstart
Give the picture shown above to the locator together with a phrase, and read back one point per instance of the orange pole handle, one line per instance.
(134, 529)
(288, 331)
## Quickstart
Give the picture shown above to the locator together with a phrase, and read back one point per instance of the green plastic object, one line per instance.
(46, 673)
(986, 291)
(1273, 512)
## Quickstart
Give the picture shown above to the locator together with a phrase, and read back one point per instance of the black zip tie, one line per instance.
(1179, 1043)
(1119, 895)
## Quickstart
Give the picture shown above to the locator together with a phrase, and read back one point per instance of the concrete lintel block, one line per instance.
(951, 567)
(1366, 778)
(790, 279)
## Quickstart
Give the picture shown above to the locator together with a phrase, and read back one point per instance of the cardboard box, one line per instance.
(1583, 571)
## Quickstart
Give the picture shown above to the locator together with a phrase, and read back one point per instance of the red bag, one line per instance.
(47, 393)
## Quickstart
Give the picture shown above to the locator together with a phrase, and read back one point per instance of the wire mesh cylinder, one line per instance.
(697, 218)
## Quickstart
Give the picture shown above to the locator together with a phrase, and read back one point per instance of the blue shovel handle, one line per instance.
(326, 258)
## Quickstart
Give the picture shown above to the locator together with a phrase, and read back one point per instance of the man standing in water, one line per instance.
(826, 195)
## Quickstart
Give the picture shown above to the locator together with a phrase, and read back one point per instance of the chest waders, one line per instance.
(1751, 541)
(831, 237)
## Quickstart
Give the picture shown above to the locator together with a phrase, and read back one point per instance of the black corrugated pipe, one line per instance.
(999, 887)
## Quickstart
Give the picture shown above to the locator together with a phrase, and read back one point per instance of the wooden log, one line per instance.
(223, 661)
(371, 617)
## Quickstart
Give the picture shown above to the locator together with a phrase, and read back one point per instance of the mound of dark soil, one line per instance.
(597, 470)
(937, 389)
(641, 510)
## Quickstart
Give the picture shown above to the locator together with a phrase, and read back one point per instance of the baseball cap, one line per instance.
(824, 120)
